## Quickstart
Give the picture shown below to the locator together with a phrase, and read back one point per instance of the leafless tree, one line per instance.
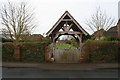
(4, 33)
(100, 21)
(17, 20)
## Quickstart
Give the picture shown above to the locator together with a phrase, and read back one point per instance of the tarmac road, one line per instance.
(42, 73)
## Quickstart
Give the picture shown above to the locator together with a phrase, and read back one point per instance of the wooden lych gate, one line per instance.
(66, 25)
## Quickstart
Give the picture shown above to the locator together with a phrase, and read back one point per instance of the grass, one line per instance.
(65, 46)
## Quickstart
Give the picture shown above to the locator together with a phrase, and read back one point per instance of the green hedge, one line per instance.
(101, 52)
(7, 51)
(6, 40)
(30, 52)
(33, 52)
(113, 39)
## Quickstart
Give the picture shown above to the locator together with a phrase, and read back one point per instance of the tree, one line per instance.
(17, 20)
(4, 33)
(100, 21)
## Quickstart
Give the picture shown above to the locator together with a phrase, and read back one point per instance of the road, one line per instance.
(41, 73)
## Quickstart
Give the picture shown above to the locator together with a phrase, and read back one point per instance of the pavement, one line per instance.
(59, 66)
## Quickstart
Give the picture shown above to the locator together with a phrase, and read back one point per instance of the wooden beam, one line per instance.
(66, 20)
(68, 32)
(67, 28)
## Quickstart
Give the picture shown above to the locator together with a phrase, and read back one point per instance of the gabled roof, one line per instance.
(66, 15)
(112, 32)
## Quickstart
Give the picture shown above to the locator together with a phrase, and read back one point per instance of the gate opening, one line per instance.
(68, 26)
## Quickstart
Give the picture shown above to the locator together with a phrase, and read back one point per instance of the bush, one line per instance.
(30, 52)
(7, 40)
(46, 40)
(110, 39)
(65, 46)
(7, 52)
(101, 52)
(33, 52)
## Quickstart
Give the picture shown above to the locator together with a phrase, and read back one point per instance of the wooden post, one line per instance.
(53, 44)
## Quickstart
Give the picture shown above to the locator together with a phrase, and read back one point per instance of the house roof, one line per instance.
(59, 24)
(111, 32)
(99, 31)
(118, 21)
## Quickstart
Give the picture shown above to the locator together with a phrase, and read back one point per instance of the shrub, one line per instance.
(7, 52)
(101, 52)
(7, 40)
(110, 39)
(46, 40)
(30, 52)
(64, 46)
(33, 52)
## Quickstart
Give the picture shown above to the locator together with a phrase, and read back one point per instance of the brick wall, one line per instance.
(118, 28)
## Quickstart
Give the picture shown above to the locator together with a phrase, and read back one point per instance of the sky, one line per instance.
(47, 12)
(119, 9)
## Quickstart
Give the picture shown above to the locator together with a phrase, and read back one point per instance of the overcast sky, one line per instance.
(47, 12)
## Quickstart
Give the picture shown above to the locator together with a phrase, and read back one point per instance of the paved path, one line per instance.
(60, 66)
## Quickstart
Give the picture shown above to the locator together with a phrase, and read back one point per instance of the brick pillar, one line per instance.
(17, 52)
(47, 53)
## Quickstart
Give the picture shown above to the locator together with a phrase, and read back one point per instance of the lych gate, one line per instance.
(67, 25)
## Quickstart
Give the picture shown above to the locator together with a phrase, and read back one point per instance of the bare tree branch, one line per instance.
(99, 21)
(17, 19)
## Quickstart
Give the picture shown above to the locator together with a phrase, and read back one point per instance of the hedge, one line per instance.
(94, 51)
(6, 40)
(7, 51)
(101, 52)
(30, 52)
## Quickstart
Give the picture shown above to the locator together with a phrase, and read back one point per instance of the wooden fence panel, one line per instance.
(66, 55)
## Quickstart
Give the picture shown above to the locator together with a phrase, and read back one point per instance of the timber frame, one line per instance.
(69, 26)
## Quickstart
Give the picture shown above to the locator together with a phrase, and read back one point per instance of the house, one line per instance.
(98, 34)
(112, 32)
(118, 28)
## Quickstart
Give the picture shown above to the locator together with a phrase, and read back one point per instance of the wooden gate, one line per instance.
(66, 55)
